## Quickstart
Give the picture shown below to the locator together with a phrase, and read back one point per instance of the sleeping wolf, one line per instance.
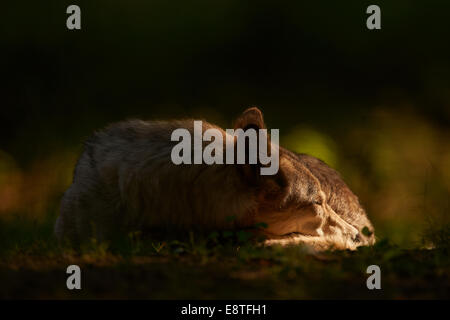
(125, 181)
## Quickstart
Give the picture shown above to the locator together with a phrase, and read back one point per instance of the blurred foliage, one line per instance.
(374, 105)
(310, 141)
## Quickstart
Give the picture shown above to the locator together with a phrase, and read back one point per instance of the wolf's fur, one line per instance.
(125, 181)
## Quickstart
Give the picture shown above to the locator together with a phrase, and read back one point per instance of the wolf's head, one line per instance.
(299, 198)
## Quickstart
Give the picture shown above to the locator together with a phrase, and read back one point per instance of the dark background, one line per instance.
(376, 104)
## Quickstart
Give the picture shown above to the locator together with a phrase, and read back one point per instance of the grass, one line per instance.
(219, 265)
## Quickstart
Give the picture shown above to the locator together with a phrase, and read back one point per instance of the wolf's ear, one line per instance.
(250, 118)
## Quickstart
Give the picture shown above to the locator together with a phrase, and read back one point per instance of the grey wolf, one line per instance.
(125, 181)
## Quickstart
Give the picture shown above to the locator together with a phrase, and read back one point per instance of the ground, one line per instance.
(220, 265)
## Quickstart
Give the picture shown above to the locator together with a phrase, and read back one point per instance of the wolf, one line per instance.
(125, 181)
